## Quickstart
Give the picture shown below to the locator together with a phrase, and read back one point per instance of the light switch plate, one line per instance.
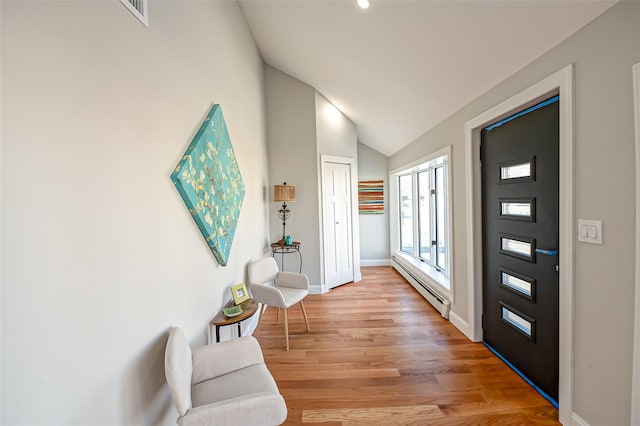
(590, 231)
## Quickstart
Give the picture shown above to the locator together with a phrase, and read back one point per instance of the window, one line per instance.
(406, 213)
(423, 212)
(440, 219)
(424, 221)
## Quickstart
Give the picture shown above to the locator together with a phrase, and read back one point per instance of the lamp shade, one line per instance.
(284, 192)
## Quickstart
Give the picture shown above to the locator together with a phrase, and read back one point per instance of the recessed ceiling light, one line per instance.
(364, 4)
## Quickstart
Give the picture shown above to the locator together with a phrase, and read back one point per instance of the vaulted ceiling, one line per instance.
(400, 67)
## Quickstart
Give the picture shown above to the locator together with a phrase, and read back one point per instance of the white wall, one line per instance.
(291, 134)
(99, 253)
(603, 53)
(335, 132)
(302, 126)
(374, 243)
(336, 135)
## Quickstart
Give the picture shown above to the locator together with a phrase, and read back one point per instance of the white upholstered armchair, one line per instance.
(271, 287)
(222, 384)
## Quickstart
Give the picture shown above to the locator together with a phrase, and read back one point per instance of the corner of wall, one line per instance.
(375, 262)
(461, 324)
(576, 420)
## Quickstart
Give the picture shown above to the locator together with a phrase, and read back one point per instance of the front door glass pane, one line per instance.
(517, 321)
(516, 171)
(515, 209)
(516, 283)
(516, 246)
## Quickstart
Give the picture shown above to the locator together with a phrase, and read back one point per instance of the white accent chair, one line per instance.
(281, 290)
(222, 384)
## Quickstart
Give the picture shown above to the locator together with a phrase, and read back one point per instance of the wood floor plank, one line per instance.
(368, 416)
(337, 373)
(379, 354)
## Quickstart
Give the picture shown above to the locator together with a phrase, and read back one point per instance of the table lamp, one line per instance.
(284, 193)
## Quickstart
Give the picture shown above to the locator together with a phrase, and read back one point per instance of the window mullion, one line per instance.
(447, 237)
(434, 216)
(416, 212)
(441, 214)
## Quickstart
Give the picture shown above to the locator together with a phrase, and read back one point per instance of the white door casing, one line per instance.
(635, 384)
(562, 83)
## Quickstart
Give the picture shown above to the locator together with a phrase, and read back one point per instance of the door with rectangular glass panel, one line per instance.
(520, 239)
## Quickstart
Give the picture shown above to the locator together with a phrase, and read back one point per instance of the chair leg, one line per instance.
(277, 315)
(286, 328)
(304, 313)
(262, 308)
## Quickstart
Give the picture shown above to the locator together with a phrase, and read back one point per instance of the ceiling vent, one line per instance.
(139, 8)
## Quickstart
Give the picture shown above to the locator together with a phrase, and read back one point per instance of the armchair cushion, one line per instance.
(222, 384)
(264, 409)
(229, 356)
(262, 271)
(267, 295)
(239, 384)
(291, 296)
(291, 279)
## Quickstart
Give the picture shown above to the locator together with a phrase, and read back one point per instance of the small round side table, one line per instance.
(282, 249)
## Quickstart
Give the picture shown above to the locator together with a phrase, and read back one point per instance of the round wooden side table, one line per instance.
(249, 307)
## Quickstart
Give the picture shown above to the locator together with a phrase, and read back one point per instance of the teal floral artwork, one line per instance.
(209, 181)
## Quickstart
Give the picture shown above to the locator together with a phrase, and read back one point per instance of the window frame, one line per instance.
(429, 175)
(441, 215)
(413, 213)
(434, 267)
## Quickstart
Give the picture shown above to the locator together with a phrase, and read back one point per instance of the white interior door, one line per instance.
(338, 240)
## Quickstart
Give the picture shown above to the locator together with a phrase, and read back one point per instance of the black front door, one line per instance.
(520, 240)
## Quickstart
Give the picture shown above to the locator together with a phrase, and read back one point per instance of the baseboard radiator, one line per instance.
(440, 302)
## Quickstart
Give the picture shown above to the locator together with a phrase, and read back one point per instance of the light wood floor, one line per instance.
(378, 354)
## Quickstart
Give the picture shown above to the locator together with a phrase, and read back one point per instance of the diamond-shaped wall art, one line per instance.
(209, 181)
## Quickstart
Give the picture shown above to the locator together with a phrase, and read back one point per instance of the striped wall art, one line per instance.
(371, 197)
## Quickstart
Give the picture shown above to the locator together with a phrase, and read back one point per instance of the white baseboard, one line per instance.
(576, 420)
(375, 262)
(460, 324)
(316, 289)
